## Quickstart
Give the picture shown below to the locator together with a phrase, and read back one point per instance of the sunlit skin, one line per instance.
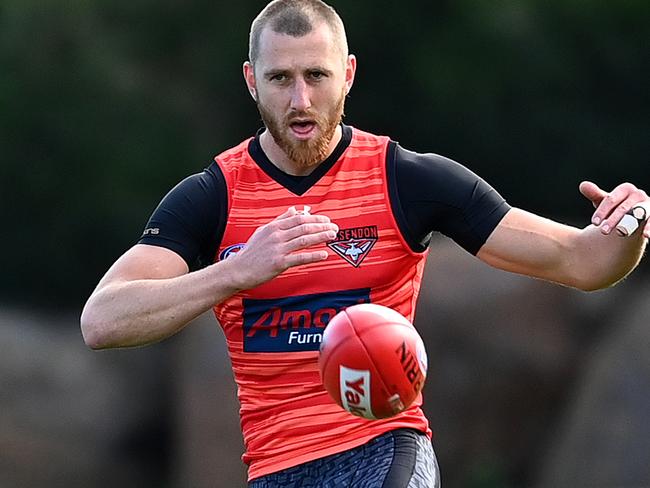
(300, 84)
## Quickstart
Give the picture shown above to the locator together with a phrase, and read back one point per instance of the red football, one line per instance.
(372, 361)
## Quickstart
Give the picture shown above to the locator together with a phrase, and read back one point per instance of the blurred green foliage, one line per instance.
(106, 104)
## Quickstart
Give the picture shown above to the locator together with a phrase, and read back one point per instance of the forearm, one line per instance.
(148, 294)
(140, 312)
(603, 260)
(586, 259)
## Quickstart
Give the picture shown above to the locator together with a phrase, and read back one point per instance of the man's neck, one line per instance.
(280, 159)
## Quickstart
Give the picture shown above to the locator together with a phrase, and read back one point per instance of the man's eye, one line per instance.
(317, 75)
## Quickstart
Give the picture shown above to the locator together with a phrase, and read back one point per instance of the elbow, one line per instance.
(590, 276)
(92, 331)
(591, 284)
(599, 286)
(590, 287)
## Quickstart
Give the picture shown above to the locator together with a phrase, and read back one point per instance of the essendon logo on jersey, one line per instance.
(353, 245)
(295, 323)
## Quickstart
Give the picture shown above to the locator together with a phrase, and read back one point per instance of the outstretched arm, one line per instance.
(589, 259)
(148, 294)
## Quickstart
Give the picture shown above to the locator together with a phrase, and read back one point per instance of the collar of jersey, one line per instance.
(298, 184)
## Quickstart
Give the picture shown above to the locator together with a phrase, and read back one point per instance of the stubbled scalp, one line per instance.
(295, 18)
(293, 23)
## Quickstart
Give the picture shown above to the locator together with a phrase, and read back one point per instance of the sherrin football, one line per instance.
(372, 361)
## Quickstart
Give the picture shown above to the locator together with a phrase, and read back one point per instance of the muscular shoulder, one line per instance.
(433, 177)
(189, 219)
(437, 194)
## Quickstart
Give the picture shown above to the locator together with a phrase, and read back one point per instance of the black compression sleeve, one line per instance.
(191, 218)
(430, 193)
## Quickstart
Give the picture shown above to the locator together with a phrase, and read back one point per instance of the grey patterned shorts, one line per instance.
(402, 458)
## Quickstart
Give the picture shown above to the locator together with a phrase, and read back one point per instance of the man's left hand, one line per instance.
(613, 206)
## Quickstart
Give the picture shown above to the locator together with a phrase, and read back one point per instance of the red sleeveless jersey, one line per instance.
(274, 331)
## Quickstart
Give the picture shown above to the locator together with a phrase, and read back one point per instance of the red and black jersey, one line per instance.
(274, 331)
(386, 202)
(428, 194)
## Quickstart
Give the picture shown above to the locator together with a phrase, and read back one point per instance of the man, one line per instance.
(306, 218)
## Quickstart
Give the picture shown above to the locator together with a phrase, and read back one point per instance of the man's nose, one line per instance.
(300, 97)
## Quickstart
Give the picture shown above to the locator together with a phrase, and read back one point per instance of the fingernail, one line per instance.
(596, 220)
(606, 228)
(331, 234)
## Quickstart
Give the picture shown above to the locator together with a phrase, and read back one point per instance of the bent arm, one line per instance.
(586, 259)
(148, 295)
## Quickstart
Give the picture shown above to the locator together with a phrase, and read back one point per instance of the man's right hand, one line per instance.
(148, 294)
(288, 240)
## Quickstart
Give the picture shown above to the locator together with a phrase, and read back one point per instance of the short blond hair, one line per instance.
(296, 18)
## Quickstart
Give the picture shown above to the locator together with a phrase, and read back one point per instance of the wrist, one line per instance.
(233, 275)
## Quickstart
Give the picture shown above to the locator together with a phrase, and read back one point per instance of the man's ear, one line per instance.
(249, 77)
(350, 70)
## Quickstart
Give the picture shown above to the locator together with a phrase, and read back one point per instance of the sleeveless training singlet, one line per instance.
(387, 202)
(274, 331)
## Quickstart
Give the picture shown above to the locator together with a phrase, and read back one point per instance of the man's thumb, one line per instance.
(592, 192)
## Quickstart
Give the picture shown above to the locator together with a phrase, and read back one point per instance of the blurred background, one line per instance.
(106, 104)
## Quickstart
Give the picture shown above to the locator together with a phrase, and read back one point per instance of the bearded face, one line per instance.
(304, 136)
(299, 85)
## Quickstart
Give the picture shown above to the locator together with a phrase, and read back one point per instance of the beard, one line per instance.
(308, 153)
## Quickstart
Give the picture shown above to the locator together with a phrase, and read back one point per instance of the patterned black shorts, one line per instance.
(401, 458)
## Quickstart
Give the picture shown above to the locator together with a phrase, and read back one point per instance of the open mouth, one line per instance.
(303, 129)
